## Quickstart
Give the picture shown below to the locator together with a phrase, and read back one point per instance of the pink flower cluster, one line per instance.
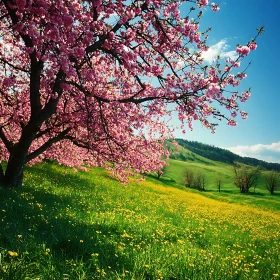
(245, 96)
(203, 2)
(244, 50)
(213, 91)
(215, 7)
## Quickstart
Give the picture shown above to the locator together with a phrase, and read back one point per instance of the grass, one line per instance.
(67, 225)
(212, 169)
(259, 197)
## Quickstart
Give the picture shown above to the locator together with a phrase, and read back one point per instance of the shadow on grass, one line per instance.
(34, 219)
(58, 178)
(162, 179)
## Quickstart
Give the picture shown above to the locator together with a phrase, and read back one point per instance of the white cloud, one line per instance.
(221, 49)
(269, 153)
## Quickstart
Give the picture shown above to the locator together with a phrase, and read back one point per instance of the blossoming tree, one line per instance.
(92, 83)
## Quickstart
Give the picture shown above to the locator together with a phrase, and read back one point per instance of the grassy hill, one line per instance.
(67, 225)
(223, 155)
(182, 159)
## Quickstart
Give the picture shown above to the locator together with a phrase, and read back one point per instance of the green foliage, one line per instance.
(246, 178)
(272, 180)
(195, 180)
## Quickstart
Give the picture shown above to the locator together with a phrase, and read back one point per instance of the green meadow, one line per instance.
(229, 192)
(85, 225)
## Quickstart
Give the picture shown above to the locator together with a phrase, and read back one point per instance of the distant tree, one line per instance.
(272, 181)
(172, 156)
(245, 177)
(218, 183)
(182, 157)
(200, 181)
(189, 178)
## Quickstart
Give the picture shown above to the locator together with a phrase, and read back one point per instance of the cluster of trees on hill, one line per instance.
(244, 178)
(223, 155)
(196, 180)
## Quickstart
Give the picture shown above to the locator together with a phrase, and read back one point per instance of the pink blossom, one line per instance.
(79, 52)
(253, 46)
(96, 3)
(227, 69)
(244, 115)
(232, 123)
(203, 2)
(243, 50)
(235, 64)
(245, 96)
(241, 75)
(215, 7)
(213, 90)
(111, 35)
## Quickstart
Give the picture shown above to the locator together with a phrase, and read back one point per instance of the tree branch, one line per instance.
(36, 69)
(12, 12)
(50, 107)
(48, 144)
(13, 66)
(100, 42)
(8, 144)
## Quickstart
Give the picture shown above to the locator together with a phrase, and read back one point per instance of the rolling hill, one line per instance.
(223, 155)
(87, 226)
(184, 157)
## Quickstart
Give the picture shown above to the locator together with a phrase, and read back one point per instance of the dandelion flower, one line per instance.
(12, 254)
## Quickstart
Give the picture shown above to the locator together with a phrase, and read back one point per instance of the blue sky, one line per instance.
(236, 23)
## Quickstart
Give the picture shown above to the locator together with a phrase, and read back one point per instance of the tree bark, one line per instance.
(1, 174)
(14, 173)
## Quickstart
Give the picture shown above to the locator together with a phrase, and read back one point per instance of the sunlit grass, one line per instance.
(229, 192)
(66, 225)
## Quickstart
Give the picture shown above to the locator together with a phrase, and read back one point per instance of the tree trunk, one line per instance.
(14, 173)
(1, 175)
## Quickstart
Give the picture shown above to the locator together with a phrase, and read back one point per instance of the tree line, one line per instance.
(223, 155)
(244, 179)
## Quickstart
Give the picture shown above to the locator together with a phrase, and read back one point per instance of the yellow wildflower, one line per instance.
(12, 254)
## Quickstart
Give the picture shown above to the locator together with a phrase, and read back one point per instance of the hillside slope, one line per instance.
(66, 225)
(223, 155)
(183, 159)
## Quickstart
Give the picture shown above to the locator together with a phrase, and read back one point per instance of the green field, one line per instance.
(78, 225)
(229, 192)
